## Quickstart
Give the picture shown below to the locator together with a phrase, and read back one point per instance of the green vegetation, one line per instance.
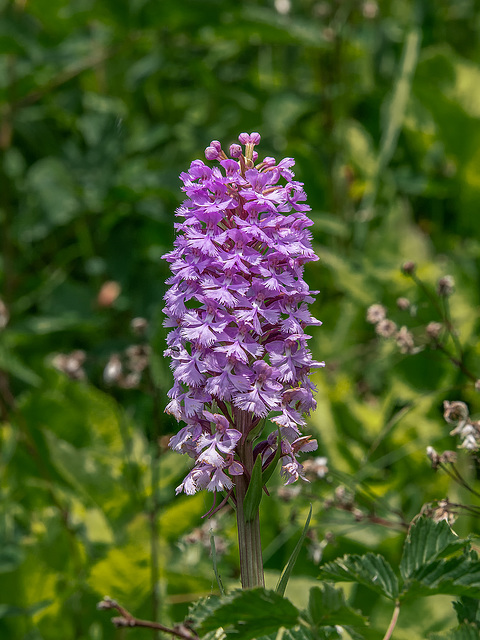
(102, 105)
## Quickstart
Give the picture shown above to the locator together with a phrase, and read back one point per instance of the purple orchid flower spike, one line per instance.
(237, 306)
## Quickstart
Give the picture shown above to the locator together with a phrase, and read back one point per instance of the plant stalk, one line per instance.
(249, 540)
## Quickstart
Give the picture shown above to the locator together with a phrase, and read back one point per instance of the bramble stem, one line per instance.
(249, 540)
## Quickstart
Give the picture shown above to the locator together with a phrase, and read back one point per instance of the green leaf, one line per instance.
(247, 614)
(10, 363)
(464, 632)
(253, 496)
(426, 541)
(455, 576)
(11, 556)
(467, 609)
(283, 580)
(371, 570)
(215, 566)
(7, 610)
(327, 607)
(297, 633)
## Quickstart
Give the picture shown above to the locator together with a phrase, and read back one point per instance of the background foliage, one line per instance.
(102, 105)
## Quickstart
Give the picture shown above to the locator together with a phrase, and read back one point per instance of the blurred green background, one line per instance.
(102, 104)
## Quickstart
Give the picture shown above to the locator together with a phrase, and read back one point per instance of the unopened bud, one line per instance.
(445, 286)
(235, 151)
(211, 153)
(408, 268)
(403, 304)
(477, 385)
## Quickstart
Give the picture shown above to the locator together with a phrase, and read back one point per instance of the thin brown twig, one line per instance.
(126, 619)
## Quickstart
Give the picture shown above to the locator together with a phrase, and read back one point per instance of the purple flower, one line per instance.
(237, 306)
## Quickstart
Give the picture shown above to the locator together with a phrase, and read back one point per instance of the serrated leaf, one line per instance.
(298, 633)
(371, 570)
(246, 614)
(283, 580)
(327, 607)
(253, 496)
(455, 576)
(426, 541)
(467, 609)
(464, 632)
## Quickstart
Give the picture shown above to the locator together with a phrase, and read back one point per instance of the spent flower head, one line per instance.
(237, 309)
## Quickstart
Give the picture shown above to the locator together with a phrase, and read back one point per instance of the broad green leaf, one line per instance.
(253, 496)
(371, 570)
(283, 580)
(426, 541)
(247, 614)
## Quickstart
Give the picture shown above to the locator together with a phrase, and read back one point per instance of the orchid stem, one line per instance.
(249, 540)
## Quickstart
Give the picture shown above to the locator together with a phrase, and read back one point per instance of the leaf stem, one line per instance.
(393, 622)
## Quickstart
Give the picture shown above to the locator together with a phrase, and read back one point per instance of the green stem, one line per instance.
(393, 622)
(249, 540)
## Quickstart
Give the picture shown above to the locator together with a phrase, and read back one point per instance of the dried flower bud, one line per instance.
(376, 313)
(445, 286)
(139, 326)
(288, 493)
(404, 340)
(71, 364)
(386, 328)
(113, 369)
(130, 381)
(434, 457)
(448, 457)
(408, 268)
(433, 330)
(455, 412)
(403, 304)
(108, 293)
(443, 512)
(138, 357)
(4, 315)
(370, 9)
(316, 468)
(477, 385)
